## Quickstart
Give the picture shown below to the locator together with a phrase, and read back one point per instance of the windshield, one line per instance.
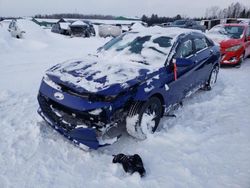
(139, 47)
(179, 22)
(235, 32)
(135, 43)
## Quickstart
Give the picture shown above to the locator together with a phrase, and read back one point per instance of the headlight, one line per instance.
(101, 98)
(234, 48)
(49, 82)
(110, 98)
(46, 78)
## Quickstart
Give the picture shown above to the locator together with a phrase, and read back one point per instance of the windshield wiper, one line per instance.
(161, 52)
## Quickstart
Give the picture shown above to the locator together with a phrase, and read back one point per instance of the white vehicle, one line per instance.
(14, 30)
(109, 30)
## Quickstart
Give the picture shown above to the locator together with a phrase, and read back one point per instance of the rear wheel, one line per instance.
(212, 78)
(144, 118)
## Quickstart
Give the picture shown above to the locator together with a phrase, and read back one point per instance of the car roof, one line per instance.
(235, 24)
(171, 31)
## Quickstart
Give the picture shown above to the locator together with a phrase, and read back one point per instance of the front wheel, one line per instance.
(212, 78)
(144, 118)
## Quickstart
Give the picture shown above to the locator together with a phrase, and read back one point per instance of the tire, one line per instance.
(212, 78)
(143, 118)
(87, 34)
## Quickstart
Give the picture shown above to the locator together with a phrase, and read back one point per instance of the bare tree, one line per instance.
(212, 12)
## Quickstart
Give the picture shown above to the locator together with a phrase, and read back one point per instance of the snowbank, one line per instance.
(32, 30)
(5, 39)
(35, 38)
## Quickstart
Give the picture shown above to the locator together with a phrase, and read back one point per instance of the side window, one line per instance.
(200, 44)
(184, 49)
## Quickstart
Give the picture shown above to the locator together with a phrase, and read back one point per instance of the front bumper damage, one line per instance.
(79, 136)
(231, 58)
(84, 136)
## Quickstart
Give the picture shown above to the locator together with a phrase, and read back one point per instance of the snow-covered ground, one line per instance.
(207, 145)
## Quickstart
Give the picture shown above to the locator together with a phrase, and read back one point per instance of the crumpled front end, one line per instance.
(81, 135)
(82, 121)
(232, 57)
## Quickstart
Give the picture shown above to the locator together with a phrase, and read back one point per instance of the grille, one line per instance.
(68, 118)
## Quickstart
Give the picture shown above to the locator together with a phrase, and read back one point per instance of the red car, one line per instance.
(234, 40)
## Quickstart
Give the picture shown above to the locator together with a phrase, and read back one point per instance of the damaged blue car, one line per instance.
(133, 79)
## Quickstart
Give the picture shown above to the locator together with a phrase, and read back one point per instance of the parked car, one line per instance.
(188, 24)
(26, 29)
(109, 30)
(80, 29)
(136, 78)
(244, 21)
(15, 30)
(61, 27)
(234, 41)
(90, 27)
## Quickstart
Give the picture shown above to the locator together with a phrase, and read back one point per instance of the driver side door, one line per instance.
(185, 63)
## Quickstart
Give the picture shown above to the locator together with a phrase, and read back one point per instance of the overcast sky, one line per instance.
(112, 7)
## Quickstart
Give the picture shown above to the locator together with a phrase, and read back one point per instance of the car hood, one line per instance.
(102, 76)
(223, 40)
(230, 42)
(217, 38)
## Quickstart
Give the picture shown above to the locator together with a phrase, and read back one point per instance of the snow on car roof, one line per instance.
(164, 31)
(64, 25)
(78, 23)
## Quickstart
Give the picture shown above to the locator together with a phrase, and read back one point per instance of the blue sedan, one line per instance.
(134, 78)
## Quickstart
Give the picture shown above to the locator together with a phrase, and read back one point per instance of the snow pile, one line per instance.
(137, 26)
(35, 38)
(32, 30)
(5, 39)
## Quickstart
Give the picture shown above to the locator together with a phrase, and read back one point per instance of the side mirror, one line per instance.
(181, 62)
